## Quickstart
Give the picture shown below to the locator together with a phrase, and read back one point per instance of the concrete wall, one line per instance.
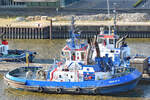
(5, 2)
(35, 0)
(134, 28)
(38, 3)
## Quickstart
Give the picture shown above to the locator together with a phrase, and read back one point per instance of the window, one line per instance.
(62, 53)
(99, 40)
(104, 42)
(115, 40)
(87, 69)
(67, 55)
(59, 76)
(73, 56)
(3, 49)
(82, 55)
(111, 41)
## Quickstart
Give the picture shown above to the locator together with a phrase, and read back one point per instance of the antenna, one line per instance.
(115, 14)
(108, 8)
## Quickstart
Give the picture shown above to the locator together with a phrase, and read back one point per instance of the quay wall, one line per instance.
(62, 31)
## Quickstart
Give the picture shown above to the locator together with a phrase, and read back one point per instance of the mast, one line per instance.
(108, 10)
(72, 33)
(115, 14)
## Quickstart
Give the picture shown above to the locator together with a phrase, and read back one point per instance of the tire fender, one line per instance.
(59, 90)
(41, 89)
(78, 90)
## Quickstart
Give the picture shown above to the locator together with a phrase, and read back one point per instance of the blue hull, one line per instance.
(120, 88)
(108, 86)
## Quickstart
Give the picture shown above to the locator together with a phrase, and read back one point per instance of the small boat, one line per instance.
(75, 73)
(14, 55)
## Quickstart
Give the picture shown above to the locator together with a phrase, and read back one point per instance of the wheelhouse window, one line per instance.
(115, 40)
(67, 55)
(87, 69)
(1, 50)
(82, 55)
(104, 42)
(111, 41)
(62, 53)
(59, 76)
(73, 56)
(99, 40)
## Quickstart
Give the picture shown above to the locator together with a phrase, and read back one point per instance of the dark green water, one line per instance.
(48, 50)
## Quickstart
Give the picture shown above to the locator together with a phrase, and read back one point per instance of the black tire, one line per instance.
(59, 90)
(78, 90)
(41, 89)
(95, 91)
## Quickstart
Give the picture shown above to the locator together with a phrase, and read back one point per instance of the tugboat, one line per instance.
(75, 73)
(109, 43)
(14, 55)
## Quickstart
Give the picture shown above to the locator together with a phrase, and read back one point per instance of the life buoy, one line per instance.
(90, 77)
(41, 89)
(59, 90)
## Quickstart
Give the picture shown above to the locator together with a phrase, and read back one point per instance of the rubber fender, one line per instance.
(59, 90)
(95, 91)
(78, 90)
(41, 89)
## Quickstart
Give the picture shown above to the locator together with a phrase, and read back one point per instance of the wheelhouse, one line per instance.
(107, 40)
(76, 54)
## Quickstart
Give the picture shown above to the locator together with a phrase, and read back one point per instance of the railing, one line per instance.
(120, 71)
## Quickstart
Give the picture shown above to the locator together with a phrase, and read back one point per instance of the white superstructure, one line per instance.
(113, 46)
